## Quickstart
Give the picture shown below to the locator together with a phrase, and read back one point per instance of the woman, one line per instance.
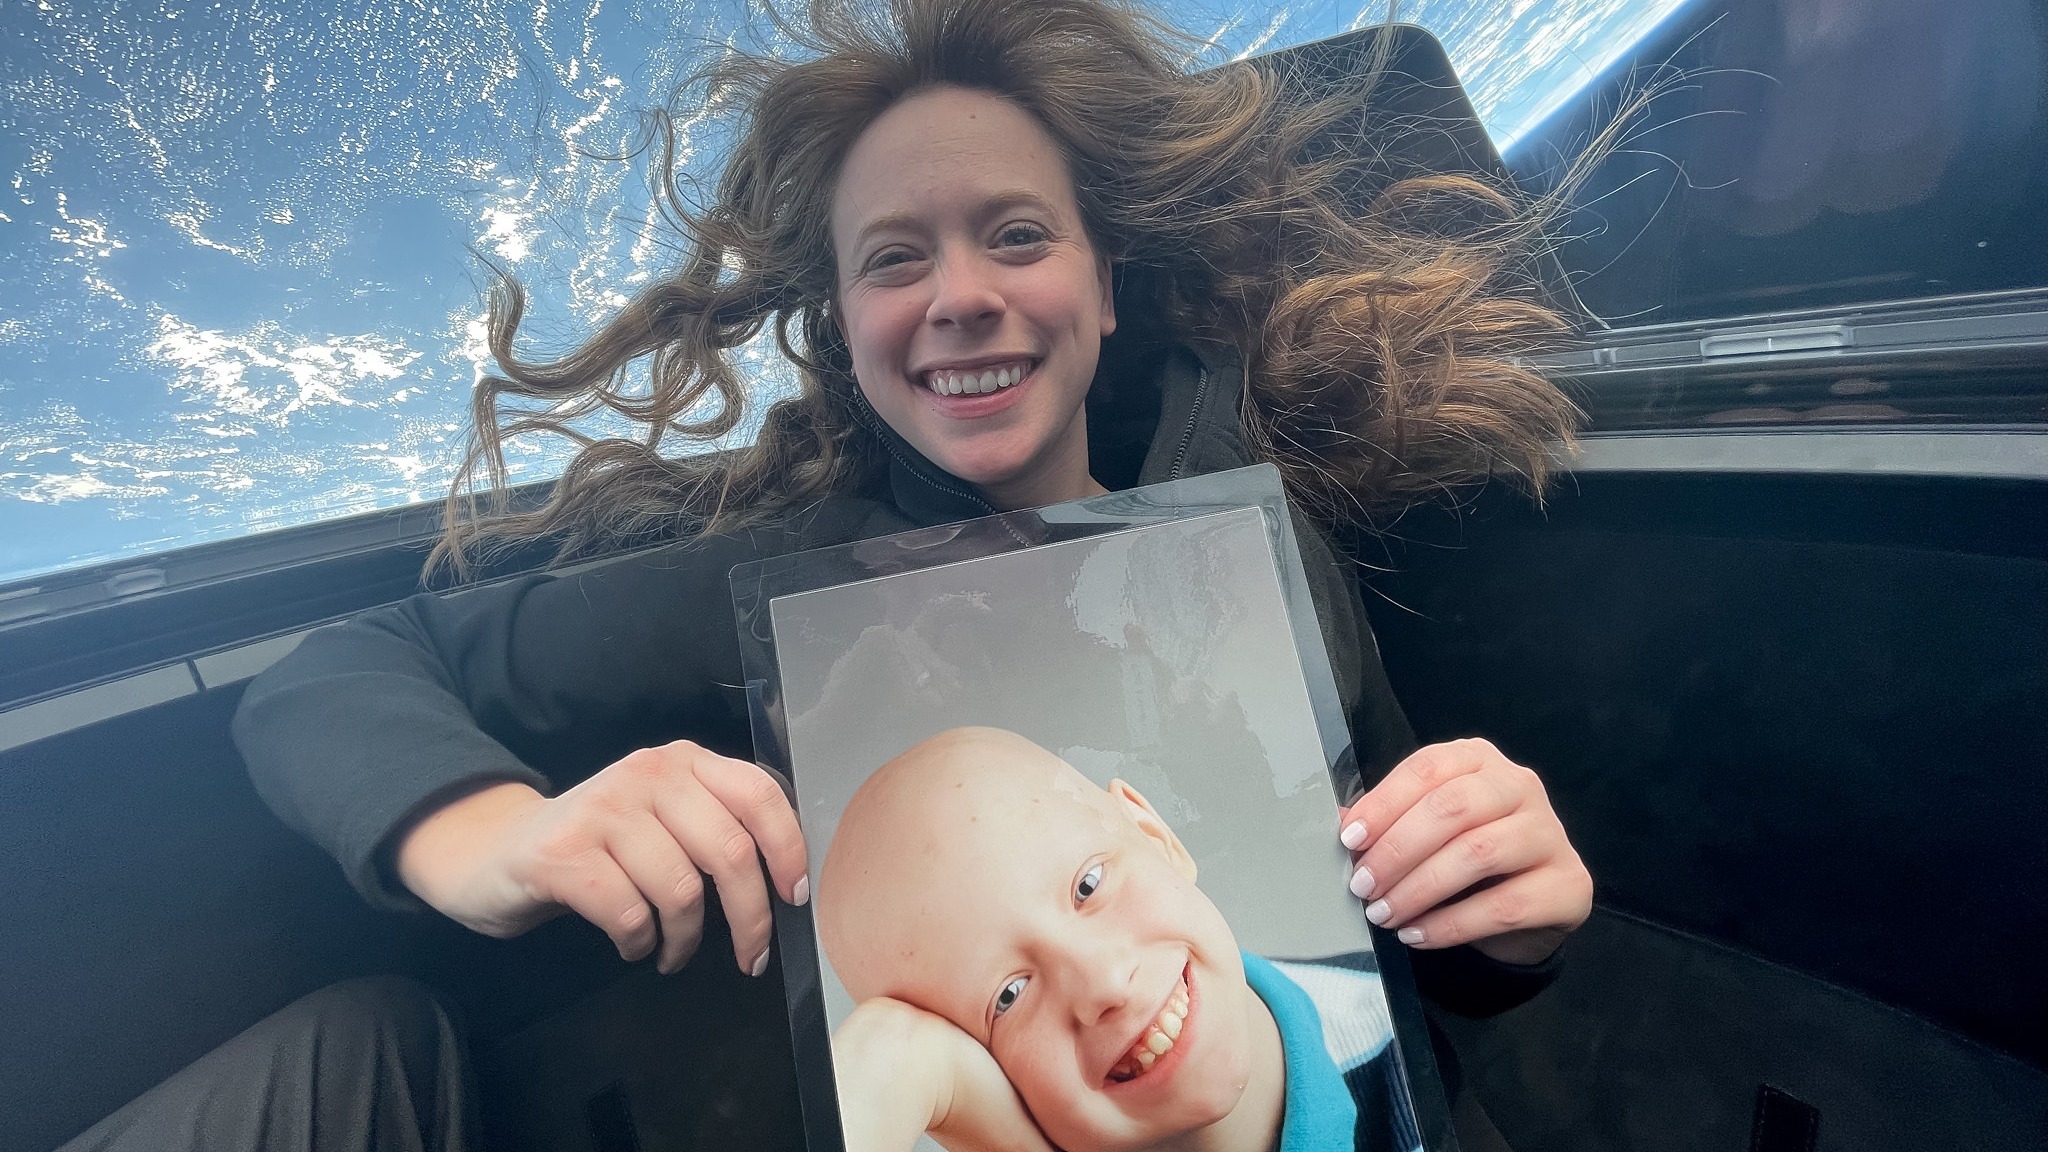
(1017, 256)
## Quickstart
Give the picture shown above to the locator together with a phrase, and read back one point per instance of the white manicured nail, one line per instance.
(1409, 935)
(1361, 883)
(1353, 835)
(761, 963)
(1379, 912)
(802, 892)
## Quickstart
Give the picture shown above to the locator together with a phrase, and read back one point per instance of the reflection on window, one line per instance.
(240, 291)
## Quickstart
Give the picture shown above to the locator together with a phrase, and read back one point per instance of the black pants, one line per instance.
(370, 1064)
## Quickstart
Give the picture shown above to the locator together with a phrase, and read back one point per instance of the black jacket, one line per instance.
(547, 678)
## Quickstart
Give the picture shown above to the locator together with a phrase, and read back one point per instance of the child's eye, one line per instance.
(1007, 998)
(1088, 883)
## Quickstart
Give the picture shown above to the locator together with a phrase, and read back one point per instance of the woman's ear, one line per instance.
(1141, 814)
(1106, 278)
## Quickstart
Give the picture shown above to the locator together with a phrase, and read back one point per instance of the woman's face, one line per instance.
(969, 294)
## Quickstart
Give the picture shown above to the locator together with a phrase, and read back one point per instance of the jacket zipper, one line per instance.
(1187, 434)
(914, 470)
(987, 508)
(884, 436)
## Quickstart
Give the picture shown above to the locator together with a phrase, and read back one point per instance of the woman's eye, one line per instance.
(1007, 998)
(1019, 235)
(1089, 882)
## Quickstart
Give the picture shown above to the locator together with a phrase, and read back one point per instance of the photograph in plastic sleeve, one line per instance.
(1072, 853)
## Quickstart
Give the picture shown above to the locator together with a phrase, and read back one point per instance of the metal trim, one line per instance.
(80, 707)
(2005, 455)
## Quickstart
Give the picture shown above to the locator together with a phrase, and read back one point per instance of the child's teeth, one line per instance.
(1156, 1040)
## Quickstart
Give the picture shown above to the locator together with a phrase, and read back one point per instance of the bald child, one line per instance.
(1035, 967)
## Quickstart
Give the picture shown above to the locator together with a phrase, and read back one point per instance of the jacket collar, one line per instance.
(1187, 401)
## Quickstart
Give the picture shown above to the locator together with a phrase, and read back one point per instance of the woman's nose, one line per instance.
(964, 293)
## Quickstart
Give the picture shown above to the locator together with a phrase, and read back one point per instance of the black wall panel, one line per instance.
(1802, 716)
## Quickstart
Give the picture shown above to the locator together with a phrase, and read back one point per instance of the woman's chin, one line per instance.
(1018, 464)
(1004, 477)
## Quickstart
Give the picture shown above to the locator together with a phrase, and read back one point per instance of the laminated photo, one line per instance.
(1066, 782)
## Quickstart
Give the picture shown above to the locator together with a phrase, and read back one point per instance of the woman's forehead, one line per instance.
(946, 148)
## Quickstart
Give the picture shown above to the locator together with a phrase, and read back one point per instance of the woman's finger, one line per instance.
(723, 849)
(667, 879)
(1542, 900)
(1459, 804)
(1495, 849)
(757, 801)
(1421, 773)
(597, 889)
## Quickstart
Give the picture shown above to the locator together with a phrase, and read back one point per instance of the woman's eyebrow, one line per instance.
(1017, 198)
(893, 222)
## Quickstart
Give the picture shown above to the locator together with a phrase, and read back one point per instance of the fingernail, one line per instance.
(1379, 912)
(1353, 835)
(1361, 883)
(760, 964)
(1409, 935)
(801, 894)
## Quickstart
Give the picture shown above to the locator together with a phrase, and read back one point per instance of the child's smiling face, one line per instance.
(981, 878)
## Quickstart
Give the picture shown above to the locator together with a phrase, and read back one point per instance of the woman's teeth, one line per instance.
(1158, 1039)
(970, 383)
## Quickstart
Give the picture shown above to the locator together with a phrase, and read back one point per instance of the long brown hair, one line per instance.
(1383, 352)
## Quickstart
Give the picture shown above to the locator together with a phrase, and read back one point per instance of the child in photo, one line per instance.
(1034, 967)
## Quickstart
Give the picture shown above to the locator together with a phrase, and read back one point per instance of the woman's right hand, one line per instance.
(903, 1071)
(628, 850)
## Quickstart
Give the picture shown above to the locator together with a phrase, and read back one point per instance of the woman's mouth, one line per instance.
(976, 381)
(1159, 1037)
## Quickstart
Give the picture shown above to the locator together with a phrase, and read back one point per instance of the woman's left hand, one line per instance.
(1459, 845)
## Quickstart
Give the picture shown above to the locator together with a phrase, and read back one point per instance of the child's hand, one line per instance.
(1460, 845)
(903, 1071)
